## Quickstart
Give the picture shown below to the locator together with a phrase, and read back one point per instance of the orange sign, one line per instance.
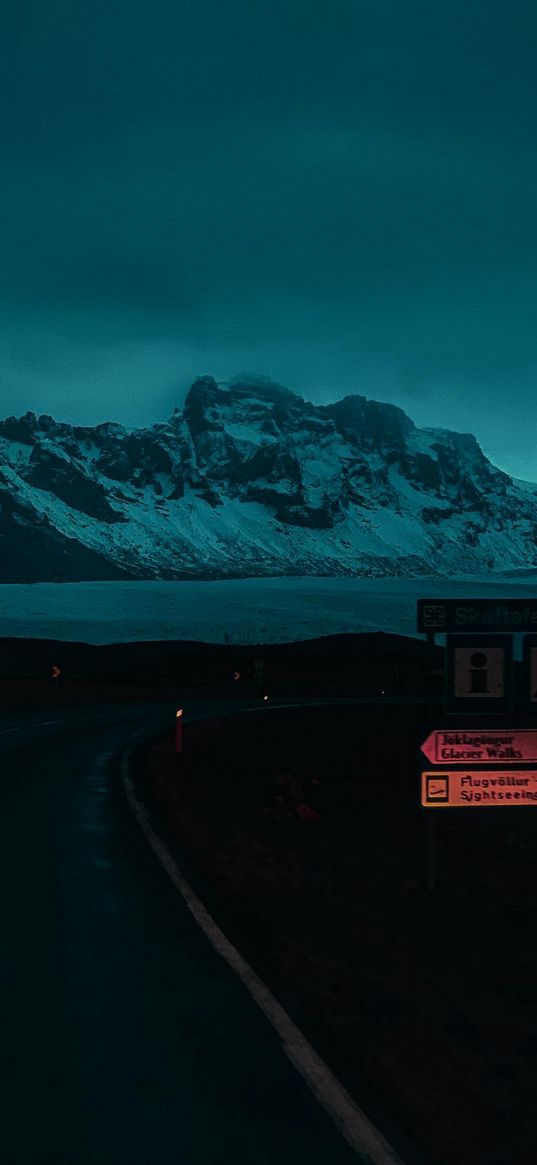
(479, 787)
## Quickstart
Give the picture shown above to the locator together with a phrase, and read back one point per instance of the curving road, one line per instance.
(125, 1039)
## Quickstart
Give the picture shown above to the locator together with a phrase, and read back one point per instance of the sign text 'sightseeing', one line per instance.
(481, 788)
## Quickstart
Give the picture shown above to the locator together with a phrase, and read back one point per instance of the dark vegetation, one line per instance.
(331, 666)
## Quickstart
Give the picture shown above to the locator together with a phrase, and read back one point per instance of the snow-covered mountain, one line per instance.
(250, 479)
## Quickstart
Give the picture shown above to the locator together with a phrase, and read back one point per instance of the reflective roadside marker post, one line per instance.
(179, 730)
(56, 673)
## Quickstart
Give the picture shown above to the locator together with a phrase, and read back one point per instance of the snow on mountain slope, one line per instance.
(249, 479)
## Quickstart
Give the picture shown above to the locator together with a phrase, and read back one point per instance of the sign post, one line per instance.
(259, 672)
(430, 820)
(530, 672)
(479, 767)
(478, 681)
(430, 826)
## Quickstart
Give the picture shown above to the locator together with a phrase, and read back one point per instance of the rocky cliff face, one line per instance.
(250, 479)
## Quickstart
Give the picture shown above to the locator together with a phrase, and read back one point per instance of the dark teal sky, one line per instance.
(337, 193)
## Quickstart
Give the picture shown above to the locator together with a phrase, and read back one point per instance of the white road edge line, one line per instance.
(4, 730)
(352, 1123)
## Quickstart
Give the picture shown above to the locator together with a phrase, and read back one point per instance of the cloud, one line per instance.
(341, 196)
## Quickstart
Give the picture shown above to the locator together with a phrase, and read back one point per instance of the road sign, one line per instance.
(481, 746)
(480, 788)
(56, 671)
(444, 615)
(478, 673)
(236, 675)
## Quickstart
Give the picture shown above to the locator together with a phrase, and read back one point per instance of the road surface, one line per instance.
(125, 1039)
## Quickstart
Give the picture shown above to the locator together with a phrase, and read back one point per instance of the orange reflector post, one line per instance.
(179, 730)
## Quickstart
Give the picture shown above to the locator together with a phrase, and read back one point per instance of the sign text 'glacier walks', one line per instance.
(481, 746)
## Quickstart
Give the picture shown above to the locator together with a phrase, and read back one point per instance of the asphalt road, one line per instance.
(125, 1039)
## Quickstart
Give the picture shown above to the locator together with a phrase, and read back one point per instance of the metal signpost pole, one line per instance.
(430, 816)
(259, 673)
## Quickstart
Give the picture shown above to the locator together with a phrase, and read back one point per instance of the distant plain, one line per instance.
(257, 610)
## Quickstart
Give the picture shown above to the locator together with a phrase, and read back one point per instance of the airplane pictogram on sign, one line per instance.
(437, 788)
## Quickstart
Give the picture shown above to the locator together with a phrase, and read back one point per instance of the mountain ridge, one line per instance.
(249, 478)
